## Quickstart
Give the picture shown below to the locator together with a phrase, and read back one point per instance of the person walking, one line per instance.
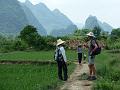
(91, 58)
(79, 50)
(60, 57)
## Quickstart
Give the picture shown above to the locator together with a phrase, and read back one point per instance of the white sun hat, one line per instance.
(91, 34)
(59, 42)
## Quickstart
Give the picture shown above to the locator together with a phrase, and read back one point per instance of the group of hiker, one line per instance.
(93, 50)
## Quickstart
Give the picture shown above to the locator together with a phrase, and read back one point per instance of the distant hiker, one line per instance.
(91, 57)
(60, 57)
(79, 50)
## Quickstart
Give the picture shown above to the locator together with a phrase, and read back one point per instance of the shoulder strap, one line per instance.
(95, 42)
(58, 51)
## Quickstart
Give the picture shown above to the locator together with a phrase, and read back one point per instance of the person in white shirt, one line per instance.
(61, 59)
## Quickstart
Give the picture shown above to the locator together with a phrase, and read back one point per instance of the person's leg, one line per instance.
(60, 70)
(79, 58)
(93, 65)
(65, 71)
(90, 65)
(94, 73)
(94, 70)
(90, 70)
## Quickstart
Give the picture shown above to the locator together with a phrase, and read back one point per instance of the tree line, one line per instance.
(30, 39)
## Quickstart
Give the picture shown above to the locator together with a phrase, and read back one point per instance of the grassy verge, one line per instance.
(35, 56)
(30, 77)
(108, 71)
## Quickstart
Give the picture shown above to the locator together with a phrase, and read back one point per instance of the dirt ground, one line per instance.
(75, 83)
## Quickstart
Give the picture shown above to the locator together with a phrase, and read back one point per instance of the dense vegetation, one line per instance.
(108, 71)
(29, 39)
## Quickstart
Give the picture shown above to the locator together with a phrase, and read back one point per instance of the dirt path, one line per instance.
(74, 82)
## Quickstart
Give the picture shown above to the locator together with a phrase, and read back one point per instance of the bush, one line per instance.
(114, 75)
(108, 74)
(20, 45)
(106, 85)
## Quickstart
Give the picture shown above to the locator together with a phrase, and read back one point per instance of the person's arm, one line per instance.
(86, 45)
(63, 53)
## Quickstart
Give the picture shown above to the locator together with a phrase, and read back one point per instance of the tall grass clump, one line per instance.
(108, 72)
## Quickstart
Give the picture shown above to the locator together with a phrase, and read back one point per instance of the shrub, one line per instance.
(19, 45)
(106, 85)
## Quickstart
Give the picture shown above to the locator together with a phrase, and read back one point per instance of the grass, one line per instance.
(108, 71)
(35, 56)
(30, 77)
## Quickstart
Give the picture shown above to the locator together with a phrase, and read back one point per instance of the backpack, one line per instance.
(58, 56)
(97, 50)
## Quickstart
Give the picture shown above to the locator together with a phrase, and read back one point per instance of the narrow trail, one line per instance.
(74, 82)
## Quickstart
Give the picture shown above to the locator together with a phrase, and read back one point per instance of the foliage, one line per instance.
(97, 32)
(115, 34)
(50, 42)
(108, 72)
(110, 44)
(30, 35)
(82, 32)
(19, 45)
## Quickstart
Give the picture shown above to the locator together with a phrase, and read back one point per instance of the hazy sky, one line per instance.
(79, 10)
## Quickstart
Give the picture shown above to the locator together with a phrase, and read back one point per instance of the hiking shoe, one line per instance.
(65, 80)
(93, 78)
(60, 78)
(89, 78)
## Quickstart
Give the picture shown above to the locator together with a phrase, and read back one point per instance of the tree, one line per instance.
(19, 45)
(30, 35)
(97, 31)
(85, 31)
(115, 34)
(82, 32)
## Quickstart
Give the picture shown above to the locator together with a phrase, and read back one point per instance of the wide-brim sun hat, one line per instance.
(59, 42)
(91, 34)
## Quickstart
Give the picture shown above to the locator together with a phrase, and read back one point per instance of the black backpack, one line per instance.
(97, 50)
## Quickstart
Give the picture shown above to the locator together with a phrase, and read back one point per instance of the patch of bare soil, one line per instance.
(77, 80)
